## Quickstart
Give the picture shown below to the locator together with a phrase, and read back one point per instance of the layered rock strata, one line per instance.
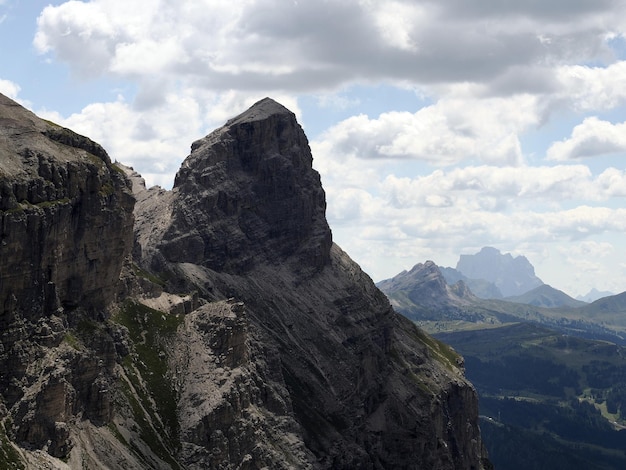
(65, 229)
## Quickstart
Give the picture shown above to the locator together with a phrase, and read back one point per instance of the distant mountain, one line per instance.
(593, 295)
(479, 287)
(423, 290)
(512, 276)
(549, 397)
(546, 296)
(610, 310)
(422, 295)
(550, 370)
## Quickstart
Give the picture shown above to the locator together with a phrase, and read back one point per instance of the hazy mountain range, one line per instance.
(550, 370)
(489, 274)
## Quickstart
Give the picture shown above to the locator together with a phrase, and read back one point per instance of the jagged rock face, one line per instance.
(65, 229)
(321, 366)
(328, 365)
(240, 336)
(247, 186)
(65, 217)
(425, 285)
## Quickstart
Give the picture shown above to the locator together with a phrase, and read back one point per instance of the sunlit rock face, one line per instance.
(66, 214)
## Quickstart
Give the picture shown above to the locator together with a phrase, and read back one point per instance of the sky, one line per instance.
(438, 126)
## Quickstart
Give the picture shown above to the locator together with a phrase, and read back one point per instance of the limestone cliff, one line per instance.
(237, 336)
(65, 228)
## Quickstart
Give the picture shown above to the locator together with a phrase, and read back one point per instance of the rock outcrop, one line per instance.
(65, 229)
(66, 214)
(328, 362)
(237, 336)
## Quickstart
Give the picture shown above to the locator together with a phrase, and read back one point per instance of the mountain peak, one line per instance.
(253, 182)
(262, 343)
(259, 111)
(511, 275)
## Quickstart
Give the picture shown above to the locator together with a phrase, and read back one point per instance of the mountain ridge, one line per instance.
(546, 296)
(424, 297)
(229, 331)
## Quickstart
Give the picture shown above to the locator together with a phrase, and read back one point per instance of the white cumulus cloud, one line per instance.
(9, 88)
(593, 137)
(446, 133)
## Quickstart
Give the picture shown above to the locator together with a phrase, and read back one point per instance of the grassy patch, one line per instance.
(146, 275)
(52, 123)
(56, 202)
(9, 457)
(106, 190)
(117, 169)
(150, 331)
(147, 433)
(440, 350)
(87, 327)
(15, 210)
(118, 435)
(72, 340)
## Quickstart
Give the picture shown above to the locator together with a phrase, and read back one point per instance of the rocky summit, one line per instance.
(211, 326)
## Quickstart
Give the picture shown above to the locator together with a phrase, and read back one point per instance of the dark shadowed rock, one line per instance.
(247, 194)
(330, 376)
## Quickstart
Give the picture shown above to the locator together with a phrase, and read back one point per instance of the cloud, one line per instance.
(592, 88)
(557, 12)
(311, 46)
(155, 142)
(9, 88)
(402, 187)
(446, 133)
(592, 138)
(490, 70)
(486, 189)
(588, 250)
(511, 187)
(386, 244)
(390, 221)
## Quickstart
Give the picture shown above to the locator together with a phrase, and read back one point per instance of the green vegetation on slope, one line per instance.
(551, 394)
(150, 331)
(9, 457)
